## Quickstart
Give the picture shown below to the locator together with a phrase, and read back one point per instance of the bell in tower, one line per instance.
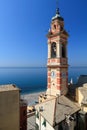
(53, 50)
(57, 57)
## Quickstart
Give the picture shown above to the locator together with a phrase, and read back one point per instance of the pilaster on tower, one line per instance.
(57, 57)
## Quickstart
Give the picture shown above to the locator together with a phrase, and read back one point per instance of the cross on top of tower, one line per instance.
(57, 16)
(57, 12)
(57, 9)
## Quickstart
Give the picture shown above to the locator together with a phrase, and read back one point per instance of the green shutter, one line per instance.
(44, 122)
(37, 114)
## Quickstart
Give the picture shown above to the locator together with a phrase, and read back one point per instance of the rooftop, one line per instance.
(83, 91)
(57, 16)
(82, 80)
(48, 110)
(64, 107)
(56, 109)
(9, 87)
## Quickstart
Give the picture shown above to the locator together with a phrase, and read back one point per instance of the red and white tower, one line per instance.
(57, 57)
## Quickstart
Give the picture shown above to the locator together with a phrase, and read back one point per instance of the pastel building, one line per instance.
(9, 108)
(81, 98)
(81, 92)
(57, 113)
(23, 114)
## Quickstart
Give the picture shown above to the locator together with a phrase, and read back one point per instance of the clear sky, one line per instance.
(25, 23)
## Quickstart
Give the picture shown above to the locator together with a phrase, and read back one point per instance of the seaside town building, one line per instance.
(23, 114)
(56, 113)
(9, 107)
(13, 109)
(81, 98)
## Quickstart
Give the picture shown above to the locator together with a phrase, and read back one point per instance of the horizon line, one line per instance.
(32, 66)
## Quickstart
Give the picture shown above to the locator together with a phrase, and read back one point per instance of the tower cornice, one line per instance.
(59, 66)
(50, 35)
(53, 35)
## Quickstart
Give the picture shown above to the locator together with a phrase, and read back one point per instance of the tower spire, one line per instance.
(57, 16)
(56, 4)
(57, 8)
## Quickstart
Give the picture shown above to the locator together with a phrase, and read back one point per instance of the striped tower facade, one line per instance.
(57, 57)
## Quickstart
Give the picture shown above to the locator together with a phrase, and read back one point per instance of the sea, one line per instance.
(34, 79)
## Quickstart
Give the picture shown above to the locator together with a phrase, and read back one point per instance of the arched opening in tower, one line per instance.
(53, 50)
(63, 51)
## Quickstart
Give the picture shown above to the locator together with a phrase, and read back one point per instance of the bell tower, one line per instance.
(57, 57)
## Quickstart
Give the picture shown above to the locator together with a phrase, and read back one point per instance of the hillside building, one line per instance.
(23, 114)
(81, 98)
(56, 113)
(9, 107)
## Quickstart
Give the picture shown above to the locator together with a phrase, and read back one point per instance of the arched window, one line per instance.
(53, 50)
(54, 26)
(63, 51)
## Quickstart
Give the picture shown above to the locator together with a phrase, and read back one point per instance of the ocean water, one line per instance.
(31, 80)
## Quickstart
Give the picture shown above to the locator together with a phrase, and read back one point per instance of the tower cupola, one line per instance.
(57, 16)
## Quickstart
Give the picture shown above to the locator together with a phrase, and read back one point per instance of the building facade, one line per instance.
(57, 113)
(9, 107)
(57, 57)
(81, 98)
(23, 114)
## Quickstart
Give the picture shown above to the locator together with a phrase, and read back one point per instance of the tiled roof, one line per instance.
(64, 107)
(48, 110)
(82, 79)
(54, 110)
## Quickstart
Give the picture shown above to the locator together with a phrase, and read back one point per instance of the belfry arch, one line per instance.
(53, 50)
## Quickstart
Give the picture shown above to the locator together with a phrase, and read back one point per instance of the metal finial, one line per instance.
(57, 9)
(57, 16)
(56, 4)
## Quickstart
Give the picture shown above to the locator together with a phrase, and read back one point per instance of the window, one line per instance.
(63, 51)
(37, 127)
(24, 113)
(53, 50)
(61, 28)
(54, 26)
(37, 114)
(44, 123)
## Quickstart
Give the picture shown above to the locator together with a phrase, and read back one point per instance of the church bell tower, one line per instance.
(57, 57)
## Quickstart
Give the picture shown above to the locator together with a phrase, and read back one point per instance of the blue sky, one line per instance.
(25, 23)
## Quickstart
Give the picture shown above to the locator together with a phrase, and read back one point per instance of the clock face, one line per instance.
(53, 75)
